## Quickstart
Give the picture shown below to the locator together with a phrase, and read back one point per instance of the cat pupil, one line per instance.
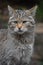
(15, 21)
(24, 21)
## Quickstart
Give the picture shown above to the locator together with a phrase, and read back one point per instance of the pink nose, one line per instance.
(19, 25)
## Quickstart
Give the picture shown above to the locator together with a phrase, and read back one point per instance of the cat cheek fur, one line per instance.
(24, 29)
(15, 29)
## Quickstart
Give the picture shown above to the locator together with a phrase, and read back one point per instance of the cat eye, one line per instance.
(24, 21)
(15, 21)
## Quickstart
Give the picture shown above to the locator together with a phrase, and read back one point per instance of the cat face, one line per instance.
(20, 21)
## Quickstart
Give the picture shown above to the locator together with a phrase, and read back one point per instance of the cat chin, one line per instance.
(20, 33)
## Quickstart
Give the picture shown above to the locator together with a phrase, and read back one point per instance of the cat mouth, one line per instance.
(20, 32)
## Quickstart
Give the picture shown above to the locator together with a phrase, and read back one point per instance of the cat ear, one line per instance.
(11, 11)
(32, 11)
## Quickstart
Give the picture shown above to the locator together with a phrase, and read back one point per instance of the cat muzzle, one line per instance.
(20, 31)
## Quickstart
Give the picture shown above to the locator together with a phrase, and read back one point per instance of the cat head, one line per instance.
(20, 21)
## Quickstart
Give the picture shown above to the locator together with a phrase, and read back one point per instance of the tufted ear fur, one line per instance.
(32, 11)
(11, 11)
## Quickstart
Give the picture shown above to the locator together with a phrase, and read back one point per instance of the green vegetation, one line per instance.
(3, 24)
(39, 15)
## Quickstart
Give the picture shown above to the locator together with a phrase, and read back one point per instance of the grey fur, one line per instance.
(17, 49)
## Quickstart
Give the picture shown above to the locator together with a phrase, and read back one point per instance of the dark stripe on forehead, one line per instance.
(20, 13)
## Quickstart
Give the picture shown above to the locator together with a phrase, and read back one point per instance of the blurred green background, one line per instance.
(39, 15)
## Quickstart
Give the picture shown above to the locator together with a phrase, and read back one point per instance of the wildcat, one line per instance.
(18, 47)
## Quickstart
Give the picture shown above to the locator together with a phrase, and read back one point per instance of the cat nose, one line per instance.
(19, 28)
